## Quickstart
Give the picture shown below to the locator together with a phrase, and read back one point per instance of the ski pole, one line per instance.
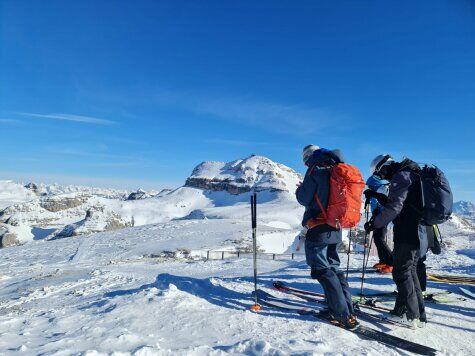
(348, 254)
(256, 307)
(364, 251)
(369, 251)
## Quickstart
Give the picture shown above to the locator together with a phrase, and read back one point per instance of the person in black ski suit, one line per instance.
(321, 242)
(379, 188)
(410, 239)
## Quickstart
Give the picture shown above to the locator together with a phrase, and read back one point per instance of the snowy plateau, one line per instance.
(89, 271)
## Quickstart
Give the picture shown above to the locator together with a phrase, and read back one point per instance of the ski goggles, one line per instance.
(387, 159)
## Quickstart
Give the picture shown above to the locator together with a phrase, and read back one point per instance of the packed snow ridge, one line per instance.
(35, 212)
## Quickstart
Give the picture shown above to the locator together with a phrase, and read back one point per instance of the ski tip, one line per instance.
(306, 311)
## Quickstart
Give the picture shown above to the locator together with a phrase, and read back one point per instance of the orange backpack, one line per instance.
(344, 202)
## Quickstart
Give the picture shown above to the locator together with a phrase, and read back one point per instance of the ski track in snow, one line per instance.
(98, 294)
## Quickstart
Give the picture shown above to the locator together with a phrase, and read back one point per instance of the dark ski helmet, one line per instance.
(379, 162)
(308, 152)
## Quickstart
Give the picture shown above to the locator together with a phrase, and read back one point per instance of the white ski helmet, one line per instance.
(308, 152)
(379, 161)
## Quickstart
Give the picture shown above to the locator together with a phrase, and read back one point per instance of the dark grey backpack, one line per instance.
(437, 199)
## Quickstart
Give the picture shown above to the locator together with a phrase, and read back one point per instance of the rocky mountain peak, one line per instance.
(243, 175)
(464, 207)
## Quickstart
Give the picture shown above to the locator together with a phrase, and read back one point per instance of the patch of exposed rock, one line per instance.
(14, 235)
(33, 214)
(194, 215)
(139, 195)
(97, 219)
(34, 188)
(62, 202)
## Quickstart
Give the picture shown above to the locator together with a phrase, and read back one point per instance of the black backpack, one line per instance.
(437, 199)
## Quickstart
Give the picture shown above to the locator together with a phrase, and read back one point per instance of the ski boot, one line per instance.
(422, 321)
(402, 319)
(385, 269)
(349, 323)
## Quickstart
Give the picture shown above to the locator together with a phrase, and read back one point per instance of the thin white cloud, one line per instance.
(235, 142)
(69, 117)
(272, 116)
(277, 117)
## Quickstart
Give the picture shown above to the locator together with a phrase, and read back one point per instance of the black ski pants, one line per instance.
(384, 252)
(410, 298)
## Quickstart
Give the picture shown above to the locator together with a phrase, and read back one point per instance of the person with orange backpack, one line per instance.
(331, 194)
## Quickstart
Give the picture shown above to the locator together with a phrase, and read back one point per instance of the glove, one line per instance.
(303, 233)
(368, 193)
(369, 226)
(301, 237)
(380, 197)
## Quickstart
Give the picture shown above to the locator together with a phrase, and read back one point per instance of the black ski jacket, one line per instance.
(404, 196)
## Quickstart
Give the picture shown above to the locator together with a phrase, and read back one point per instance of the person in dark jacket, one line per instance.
(377, 187)
(321, 242)
(410, 240)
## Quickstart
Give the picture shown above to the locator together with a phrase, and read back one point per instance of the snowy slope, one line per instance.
(129, 292)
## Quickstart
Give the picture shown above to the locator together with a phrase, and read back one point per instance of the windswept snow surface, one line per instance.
(121, 293)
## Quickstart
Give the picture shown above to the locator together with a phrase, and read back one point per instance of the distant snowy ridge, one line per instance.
(12, 193)
(56, 189)
(466, 210)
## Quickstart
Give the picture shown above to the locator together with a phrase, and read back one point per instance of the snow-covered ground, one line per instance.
(130, 292)
(146, 290)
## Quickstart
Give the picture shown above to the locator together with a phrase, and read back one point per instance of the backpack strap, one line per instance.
(324, 213)
(421, 184)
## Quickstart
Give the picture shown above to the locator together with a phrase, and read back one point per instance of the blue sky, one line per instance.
(136, 93)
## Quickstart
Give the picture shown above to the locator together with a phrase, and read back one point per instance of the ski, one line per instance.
(269, 300)
(357, 305)
(451, 279)
(363, 302)
(434, 297)
(467, 292)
